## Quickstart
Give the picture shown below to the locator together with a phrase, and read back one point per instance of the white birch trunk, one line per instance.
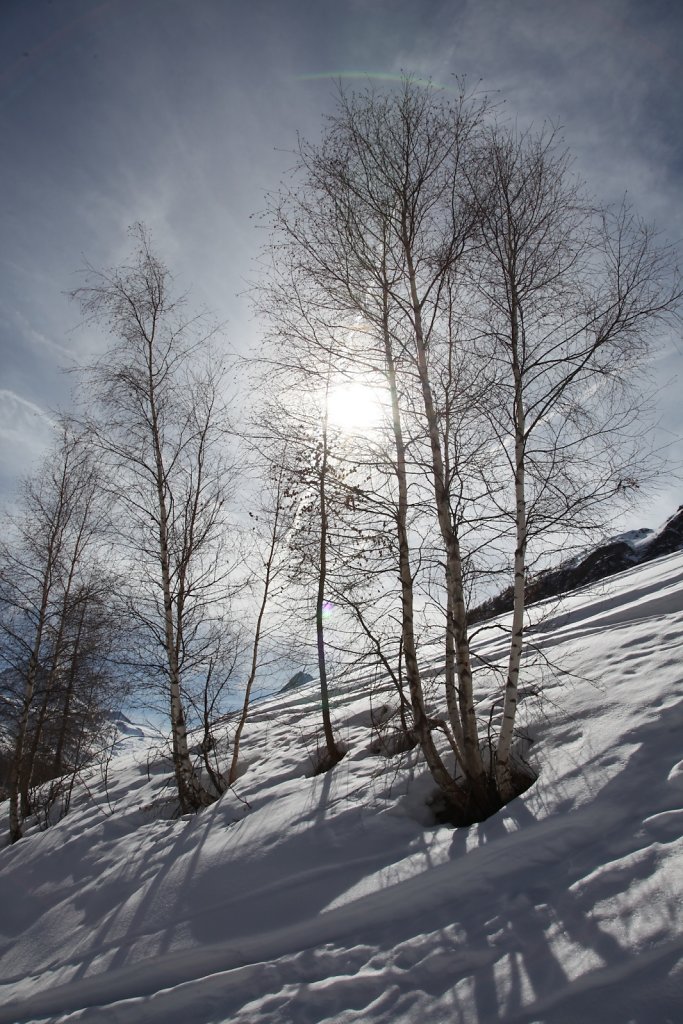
(472, 761)
(333, 753)
(440, 773)
(503, 776)
(191, 794)
(232, 773)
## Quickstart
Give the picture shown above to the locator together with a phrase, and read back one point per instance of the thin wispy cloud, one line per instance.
(25, 431)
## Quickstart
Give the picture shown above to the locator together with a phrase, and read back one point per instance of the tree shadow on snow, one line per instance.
(543, 883)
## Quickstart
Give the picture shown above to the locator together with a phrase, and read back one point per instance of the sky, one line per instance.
(183, 114)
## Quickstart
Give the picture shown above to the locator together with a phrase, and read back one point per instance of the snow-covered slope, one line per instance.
(329, 899)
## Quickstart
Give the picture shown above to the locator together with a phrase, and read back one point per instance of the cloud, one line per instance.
(25, 432)
(39, 341)
(16, 411)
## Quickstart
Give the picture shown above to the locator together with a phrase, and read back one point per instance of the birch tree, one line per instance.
(267, 551)
(299, 444)
(405, 228)
(567, 299)
(52, 610)
(157, 413)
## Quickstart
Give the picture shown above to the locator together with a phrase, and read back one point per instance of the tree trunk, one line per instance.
(503, 777)
(20, 769)
(473, 765)
(333, 753)
(190, 792)
(443, 778)
(68, 695)
(26, 778)
(232, 773)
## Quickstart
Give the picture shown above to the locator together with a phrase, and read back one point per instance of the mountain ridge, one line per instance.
(623, 551)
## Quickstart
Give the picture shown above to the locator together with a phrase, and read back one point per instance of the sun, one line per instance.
(356, 408)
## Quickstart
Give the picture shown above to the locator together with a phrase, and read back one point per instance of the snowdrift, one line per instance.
(301, 899)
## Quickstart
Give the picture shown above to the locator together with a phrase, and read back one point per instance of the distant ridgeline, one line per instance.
(622, 552)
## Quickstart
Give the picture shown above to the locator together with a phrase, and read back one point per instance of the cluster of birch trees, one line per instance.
(61, 624)
(456, 263)
(445, 262)
(122, 540)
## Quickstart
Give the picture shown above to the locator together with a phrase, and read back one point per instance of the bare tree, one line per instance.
(461, 263)
(297, 447)
(158, 417)
(335, 531)
(268, 533)
(57, 621)
(566, 300)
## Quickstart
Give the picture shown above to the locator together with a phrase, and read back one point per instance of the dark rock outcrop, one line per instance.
(622, 552)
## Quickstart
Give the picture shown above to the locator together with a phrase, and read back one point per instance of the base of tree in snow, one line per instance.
(325, 760)
(523, 777)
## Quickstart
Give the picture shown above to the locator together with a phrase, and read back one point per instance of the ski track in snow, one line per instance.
(328, 900)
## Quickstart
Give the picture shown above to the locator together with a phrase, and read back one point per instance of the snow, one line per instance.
(301, 899)
(635, 538)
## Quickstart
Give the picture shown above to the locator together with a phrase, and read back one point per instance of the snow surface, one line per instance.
(636, 538)
(302, 899)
